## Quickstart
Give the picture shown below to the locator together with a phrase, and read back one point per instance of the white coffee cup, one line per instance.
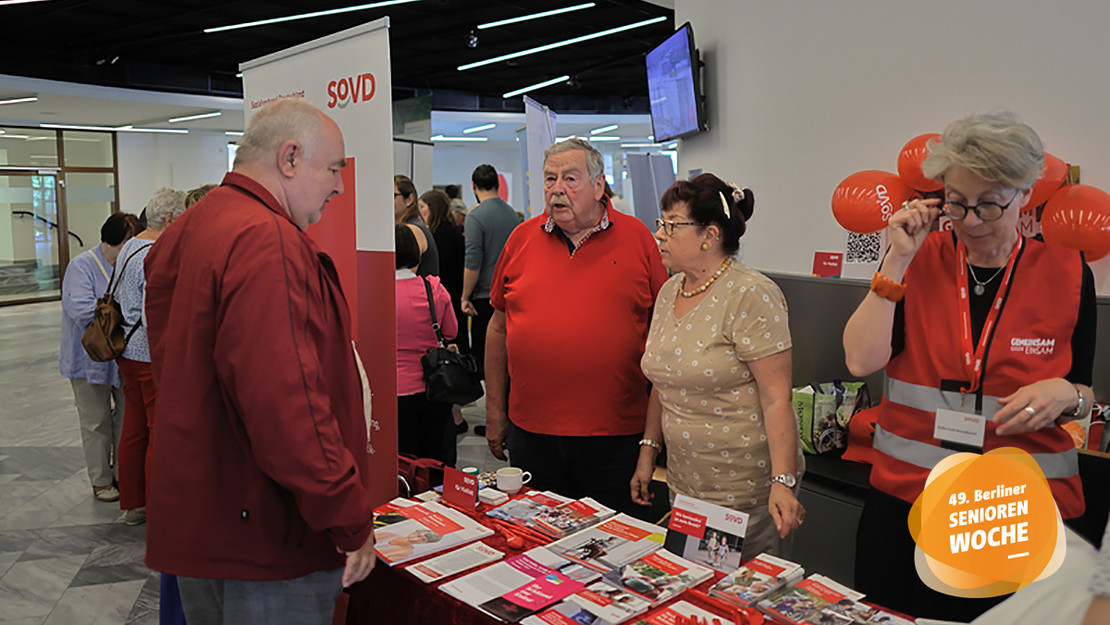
(511, 479)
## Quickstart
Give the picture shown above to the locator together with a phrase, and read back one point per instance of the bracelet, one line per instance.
(650, 443)
(886, 288)
(1080, 408)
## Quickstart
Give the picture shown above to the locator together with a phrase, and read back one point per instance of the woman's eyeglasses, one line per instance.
(668, 226)
(987, 211)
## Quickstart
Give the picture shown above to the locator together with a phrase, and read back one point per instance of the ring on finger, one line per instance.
(906, 205)
(1031, 410)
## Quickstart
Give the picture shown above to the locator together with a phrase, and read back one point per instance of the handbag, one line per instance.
(824, 411)
(104, 339)
(448, 375)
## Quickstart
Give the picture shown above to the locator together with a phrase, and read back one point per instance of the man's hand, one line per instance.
(468, 308)
(359, 563)
(497, 432)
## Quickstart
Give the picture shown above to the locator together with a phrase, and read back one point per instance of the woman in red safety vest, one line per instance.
(980, 321)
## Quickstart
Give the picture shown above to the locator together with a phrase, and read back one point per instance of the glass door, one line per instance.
(31, 242)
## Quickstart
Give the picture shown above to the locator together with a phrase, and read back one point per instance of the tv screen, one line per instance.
(672, 72)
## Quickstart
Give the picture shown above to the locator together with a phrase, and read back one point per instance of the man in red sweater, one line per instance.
(257, 485)
(573, 294)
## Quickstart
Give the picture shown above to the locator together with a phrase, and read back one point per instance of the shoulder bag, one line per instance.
(104, 339)
(448, 375)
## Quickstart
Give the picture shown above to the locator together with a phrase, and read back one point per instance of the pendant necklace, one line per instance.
(979, 287)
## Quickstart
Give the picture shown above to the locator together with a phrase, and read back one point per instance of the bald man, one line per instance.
(258, 481)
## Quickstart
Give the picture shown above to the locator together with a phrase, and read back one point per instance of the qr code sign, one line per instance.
(863, 248)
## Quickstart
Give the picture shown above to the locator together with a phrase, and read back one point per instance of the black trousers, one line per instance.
(425, 428)
(478, 326)
(580, 466)
(885, 566)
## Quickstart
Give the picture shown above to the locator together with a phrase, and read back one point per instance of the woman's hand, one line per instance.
(1035, 406)
(907, 228)
(787, 512)
(641, 479)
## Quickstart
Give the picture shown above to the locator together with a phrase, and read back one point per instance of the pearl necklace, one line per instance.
(979, 289)
(708, 283)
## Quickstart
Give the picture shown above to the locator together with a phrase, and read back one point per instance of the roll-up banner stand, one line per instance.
(347, 76)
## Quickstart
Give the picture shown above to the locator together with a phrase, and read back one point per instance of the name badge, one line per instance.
(960, 427)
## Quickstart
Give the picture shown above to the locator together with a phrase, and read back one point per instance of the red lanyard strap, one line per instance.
(973, 361)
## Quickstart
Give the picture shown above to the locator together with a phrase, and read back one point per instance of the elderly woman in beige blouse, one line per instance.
(718, 354)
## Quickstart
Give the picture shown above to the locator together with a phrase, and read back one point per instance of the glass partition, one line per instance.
(30, 265)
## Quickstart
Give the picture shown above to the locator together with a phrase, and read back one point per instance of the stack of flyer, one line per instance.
(679, 609)
(611, 544)
(454, 562)
(598, 604)
(521, 510)
(814, 600)
(406, 530)
(706, 533)
(757, 579)
(521, 585)
(658, 576)
(571, 517)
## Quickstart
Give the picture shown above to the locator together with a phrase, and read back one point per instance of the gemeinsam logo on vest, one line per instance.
(350, 90)
(1034, 347)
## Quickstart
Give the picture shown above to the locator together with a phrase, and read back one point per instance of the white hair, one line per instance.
(280, 121)
(164, 206)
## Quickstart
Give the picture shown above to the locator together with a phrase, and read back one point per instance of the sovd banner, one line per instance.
(347, 76)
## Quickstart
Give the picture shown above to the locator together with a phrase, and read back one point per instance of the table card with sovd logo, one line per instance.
(460, 489)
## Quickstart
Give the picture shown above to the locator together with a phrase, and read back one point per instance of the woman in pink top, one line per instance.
(424, 428)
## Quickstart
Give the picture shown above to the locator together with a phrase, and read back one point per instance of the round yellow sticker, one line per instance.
(986, 525)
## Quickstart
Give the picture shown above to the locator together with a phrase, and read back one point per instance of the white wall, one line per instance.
(802, 93)
(149, 161)
(455, 163)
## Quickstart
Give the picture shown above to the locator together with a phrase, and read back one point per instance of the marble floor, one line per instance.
(66, 558)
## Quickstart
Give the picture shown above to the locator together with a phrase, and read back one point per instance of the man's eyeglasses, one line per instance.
(987, 211)
(668, 226)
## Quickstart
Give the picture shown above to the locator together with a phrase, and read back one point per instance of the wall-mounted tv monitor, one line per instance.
(677, 106)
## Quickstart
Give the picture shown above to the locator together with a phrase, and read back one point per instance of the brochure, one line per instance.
(405, 530)
(757, 579)
(707, 533)
(671, 614)
(658, 576)
(599, 604)
(611, 544)
(816, 599)
(571, 517)
(454, 562)
(521, 509)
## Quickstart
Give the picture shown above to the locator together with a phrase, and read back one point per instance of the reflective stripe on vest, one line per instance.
(928, 399)
(1055, 466)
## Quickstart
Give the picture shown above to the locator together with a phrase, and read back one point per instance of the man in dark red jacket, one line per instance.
(258, 474)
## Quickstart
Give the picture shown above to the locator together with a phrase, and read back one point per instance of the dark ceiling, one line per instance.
(160, 45)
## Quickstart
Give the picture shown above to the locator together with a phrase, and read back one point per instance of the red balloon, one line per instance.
(1078, 216)
(909, 163)
(864, 201)
(1052, 178)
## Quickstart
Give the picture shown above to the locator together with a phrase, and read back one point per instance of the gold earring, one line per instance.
(704, 246)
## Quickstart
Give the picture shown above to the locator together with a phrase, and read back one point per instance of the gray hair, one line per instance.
(595, 166)
(164, 207)
(278, 122)
(995, 146)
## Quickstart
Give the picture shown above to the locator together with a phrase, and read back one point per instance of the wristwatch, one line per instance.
(786, 479)
(1080, 408)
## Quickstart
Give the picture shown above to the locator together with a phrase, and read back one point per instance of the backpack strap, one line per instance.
(103, 271)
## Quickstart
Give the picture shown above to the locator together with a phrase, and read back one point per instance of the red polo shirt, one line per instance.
(576, 326)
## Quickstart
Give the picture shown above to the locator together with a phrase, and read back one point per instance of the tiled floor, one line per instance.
(66, 558)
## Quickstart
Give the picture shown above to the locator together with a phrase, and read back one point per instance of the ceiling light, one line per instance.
(536, 16)
(566, 137)
(7, 2)
(560, 44)
(539, 85)
(467, 131)
(189, 118)
(639, 145)
(443, 138)
(20, 99)
(597, 131)
(166, 131)
(233, 133)
(14, 136)
(75, 127)
(302, 16)
(607, 138)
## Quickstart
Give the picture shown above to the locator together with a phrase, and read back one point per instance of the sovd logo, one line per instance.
(350, 89)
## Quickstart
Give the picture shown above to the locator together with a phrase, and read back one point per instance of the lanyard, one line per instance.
(973, 362)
